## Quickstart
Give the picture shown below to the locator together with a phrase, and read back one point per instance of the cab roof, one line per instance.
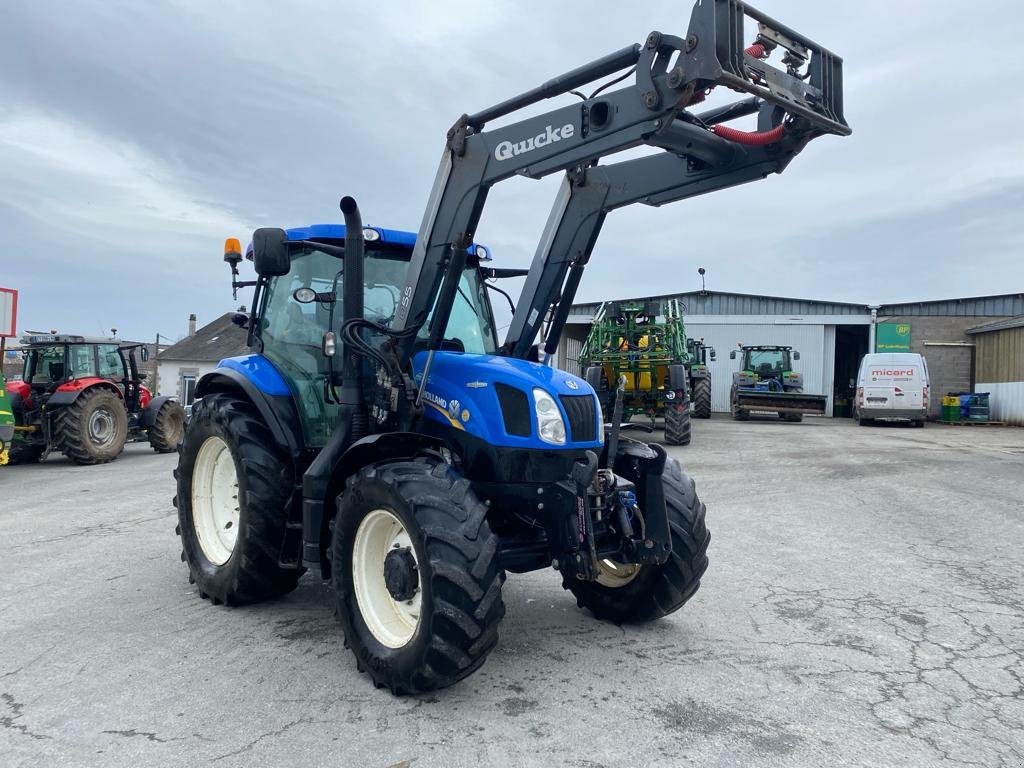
(50, 339)
(397, 237)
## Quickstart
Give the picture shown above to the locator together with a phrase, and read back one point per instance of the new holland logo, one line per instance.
(571, 384)
(506, 150)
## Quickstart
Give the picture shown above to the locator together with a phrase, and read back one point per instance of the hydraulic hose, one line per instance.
(750, 138)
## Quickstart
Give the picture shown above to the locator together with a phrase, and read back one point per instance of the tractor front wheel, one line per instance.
(416, 575)
(234, 489)
(23, 452)
(94, 428)
(628, 593)
(677, 423)
(734, 405)
(702, 398)
(168, 428)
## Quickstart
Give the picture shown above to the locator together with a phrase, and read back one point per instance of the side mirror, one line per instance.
(711, 354)
(240, 319)
(144, 354)
(732, 355)
(270, 252)
(796, 355)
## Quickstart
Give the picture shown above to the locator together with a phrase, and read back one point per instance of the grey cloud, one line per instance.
(265, 113)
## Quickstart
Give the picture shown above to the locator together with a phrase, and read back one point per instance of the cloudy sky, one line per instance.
(136, 136)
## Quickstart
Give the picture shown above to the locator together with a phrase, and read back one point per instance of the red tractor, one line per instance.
(84, 397)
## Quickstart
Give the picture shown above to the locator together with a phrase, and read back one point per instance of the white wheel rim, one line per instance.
(392, 622)
(612, 574)
(215, 505)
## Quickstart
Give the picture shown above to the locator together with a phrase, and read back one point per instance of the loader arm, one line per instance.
(670, 73)
(588, 194)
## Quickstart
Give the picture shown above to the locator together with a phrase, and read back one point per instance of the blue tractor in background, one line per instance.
(381, 433)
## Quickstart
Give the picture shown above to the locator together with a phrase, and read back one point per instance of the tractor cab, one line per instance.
(299, 308)
(766, 363)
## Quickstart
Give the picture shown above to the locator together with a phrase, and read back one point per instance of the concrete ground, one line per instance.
(863, 607)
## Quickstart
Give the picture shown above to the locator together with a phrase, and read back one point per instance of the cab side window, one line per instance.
(110, 366)
(81, 360)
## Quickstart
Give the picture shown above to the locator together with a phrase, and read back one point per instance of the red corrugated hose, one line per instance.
(750, 138)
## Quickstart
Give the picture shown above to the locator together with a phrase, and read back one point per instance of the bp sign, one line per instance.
(892, 337)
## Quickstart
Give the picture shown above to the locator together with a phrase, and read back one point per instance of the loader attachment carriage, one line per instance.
(408, 454)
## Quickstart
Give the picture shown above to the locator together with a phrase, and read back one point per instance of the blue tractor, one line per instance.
(382, 435)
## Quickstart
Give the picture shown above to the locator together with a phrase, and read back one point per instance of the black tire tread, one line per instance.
(466, 574)
(702, 398)
(677, 424)
(658, 590)
(166, 434)
(253, 573)
(21, 452)
(70, 429)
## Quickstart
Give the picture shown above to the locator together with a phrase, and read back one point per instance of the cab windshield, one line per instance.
(44, 365)
(768, 361)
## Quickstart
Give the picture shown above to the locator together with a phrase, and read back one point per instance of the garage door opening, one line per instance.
(851, 346)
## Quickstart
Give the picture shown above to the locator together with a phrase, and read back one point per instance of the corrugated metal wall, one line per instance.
(1000, 355)
(816, 344)
(1006, 400)
(718, 303)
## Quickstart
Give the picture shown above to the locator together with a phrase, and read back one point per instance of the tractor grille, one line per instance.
(582, 413)
(515, 410)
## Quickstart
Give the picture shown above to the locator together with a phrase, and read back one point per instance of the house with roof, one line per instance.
(180, 366)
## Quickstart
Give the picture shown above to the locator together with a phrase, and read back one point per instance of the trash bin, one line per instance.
(951, 408)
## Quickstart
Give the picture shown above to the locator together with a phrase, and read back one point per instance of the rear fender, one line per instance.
(68, 392)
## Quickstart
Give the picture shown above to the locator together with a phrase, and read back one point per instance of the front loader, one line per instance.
(766, 382)
(383, 436)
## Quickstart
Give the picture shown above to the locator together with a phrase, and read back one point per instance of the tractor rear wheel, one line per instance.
(416, 575)
(234, 488)
(677, 423)
(94, 428)
(627, 593)
(168, 428)
(702, 398)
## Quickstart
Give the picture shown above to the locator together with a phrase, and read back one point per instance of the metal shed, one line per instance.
(831, 336)
(999, 367)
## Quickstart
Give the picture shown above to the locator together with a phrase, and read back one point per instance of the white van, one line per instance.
(892, 385)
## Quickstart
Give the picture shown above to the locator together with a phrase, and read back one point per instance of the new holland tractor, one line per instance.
(83, 396)
(642, 348)
(766, 382)
(381, 433)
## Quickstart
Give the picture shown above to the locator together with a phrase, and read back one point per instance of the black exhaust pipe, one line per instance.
(352, 298)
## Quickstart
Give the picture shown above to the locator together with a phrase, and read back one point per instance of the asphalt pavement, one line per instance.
(863, 607)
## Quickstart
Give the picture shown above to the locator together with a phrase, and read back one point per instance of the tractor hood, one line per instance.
(492, 398)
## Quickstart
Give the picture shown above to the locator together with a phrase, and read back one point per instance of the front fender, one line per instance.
(153, 408)
(277, 411)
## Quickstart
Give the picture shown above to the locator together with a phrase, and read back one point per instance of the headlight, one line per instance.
(550, 426)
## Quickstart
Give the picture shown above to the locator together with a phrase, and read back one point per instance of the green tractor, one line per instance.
(659, 371)
(6, 421)
(766, 381)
